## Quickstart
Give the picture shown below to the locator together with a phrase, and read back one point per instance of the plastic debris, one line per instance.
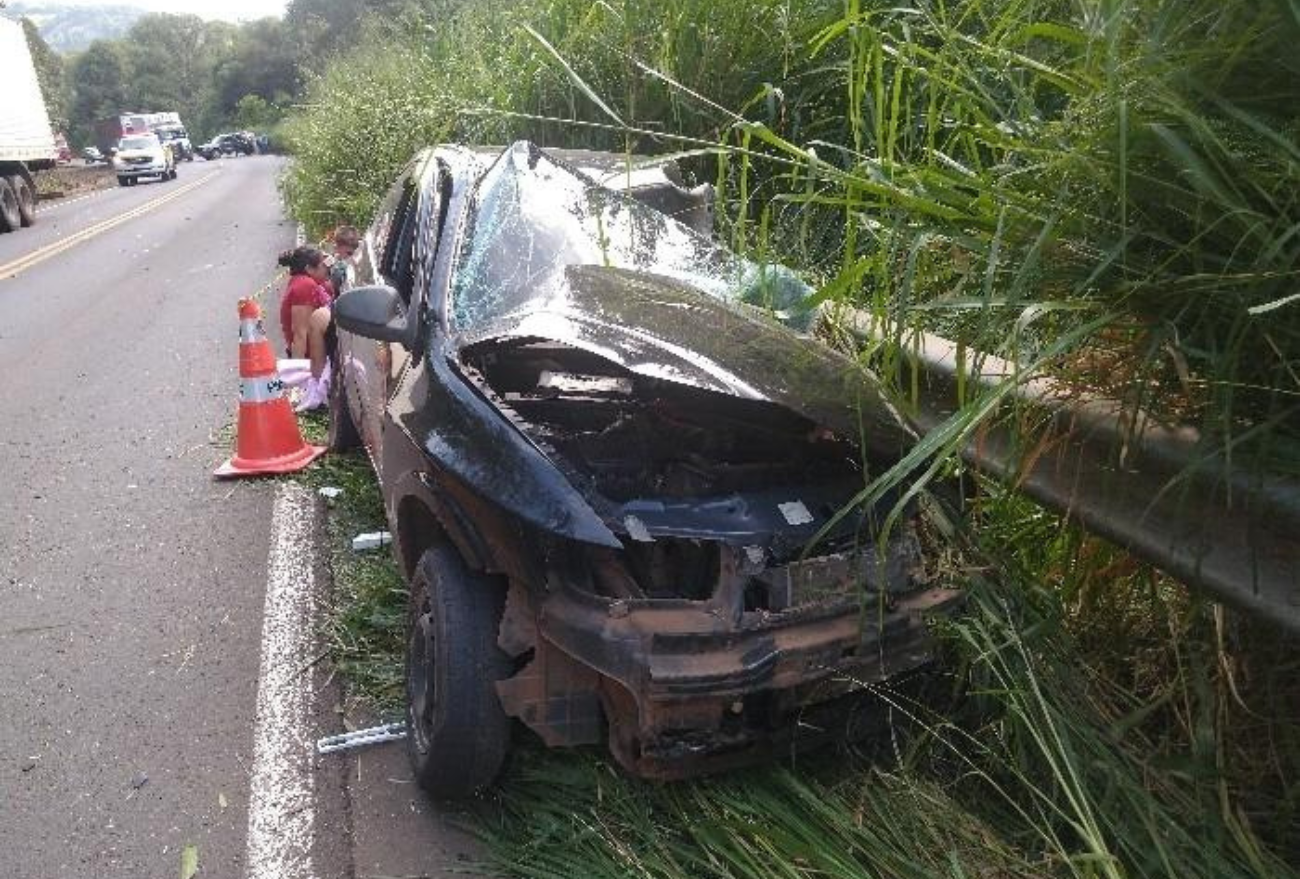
(637, 530)
(371, 540)
(330, 491)
(795, 512)
(389, 732)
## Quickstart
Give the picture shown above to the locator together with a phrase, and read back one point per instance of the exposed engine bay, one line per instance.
(693, 480)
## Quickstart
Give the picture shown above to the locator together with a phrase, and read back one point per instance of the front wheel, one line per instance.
(123, 181)
(457, 733)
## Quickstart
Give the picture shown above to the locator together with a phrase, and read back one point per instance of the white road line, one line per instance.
(281, 802)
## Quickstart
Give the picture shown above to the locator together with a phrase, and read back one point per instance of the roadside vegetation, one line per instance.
(363, 630)
(1106, 190)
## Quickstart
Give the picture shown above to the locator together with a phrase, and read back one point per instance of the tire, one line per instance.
(10, 219)
(457, 733)
(343, 433)
(26, 198)
(123, 181)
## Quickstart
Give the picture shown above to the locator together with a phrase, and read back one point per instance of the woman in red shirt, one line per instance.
(305, 313)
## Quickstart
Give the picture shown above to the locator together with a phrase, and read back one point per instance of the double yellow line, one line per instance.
(40, 255)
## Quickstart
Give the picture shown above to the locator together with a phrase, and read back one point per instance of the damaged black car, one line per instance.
(612, 464)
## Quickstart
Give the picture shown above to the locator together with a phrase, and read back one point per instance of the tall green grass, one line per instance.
(1107, 189)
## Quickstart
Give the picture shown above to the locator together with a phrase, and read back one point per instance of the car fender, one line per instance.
(467, 438)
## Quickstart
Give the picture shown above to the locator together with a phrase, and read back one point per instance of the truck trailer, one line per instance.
(26, 140)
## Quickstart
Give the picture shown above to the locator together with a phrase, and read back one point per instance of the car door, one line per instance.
(388, 256)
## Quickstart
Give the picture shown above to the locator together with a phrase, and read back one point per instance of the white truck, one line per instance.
(26, 141)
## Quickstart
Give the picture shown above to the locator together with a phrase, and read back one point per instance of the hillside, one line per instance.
(69, 28)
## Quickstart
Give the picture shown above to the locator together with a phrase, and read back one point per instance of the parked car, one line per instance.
(613, 475)
(92, 156)
(210, 150)
(143, 155)
(230, 144)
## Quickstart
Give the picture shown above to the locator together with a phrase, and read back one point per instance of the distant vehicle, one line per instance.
(229, 144)
(61, 147)
(109, 131)
(178, 139)
(210, 150)
(92, 156)
(26, 140)
(143, 155)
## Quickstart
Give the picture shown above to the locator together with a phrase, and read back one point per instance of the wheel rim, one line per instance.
(421, 693)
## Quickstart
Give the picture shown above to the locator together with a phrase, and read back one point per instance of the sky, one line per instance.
(226, 10)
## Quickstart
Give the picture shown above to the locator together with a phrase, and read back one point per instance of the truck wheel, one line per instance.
(26, 198)
(343, 433)
(457, 733)
(10, 219)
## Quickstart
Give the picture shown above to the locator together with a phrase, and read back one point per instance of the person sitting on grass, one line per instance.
(305, 316)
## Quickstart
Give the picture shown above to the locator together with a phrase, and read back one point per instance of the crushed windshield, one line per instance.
(534, 217)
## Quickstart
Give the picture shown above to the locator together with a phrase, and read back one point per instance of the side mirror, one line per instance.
(373, 313)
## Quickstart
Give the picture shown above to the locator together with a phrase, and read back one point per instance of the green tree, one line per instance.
(324, 28)
(255, 113)
(49, 71)
(171, 61)
(260, 62)
(99, 77)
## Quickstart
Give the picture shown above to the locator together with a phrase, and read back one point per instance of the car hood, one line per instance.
(664, 328)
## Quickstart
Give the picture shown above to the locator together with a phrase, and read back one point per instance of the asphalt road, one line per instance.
(131, 583)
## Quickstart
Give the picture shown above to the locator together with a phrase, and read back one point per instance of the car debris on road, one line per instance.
(371, 540)
(360, 738)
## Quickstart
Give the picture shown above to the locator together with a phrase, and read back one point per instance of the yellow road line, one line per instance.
(23, 263)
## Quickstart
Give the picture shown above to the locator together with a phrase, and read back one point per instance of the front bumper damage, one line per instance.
(690, 687)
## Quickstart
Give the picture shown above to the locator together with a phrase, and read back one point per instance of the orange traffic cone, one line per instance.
(269, 440)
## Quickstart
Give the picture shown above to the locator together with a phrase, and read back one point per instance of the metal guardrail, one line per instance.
(1154, 489)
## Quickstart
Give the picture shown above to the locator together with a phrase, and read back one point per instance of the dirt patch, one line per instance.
(66, 181)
